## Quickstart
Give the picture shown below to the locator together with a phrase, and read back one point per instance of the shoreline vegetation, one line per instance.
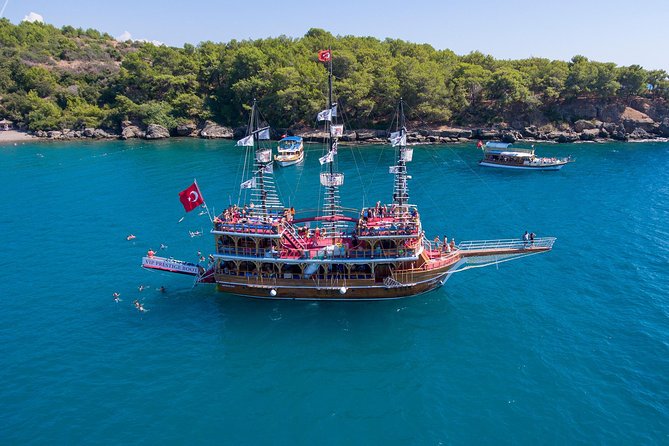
(71, 84)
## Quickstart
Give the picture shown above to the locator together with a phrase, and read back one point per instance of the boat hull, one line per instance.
(556, 166)
(331, 293)
(286, 163)
(305, 289)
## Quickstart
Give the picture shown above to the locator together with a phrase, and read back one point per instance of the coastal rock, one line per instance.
(89, 132)
(619, 134)
(632, 118)
(580, 109)
(314, 135)
(639, 133)
(583, 124)
(590, 134)
(54, 134)
(511, 136)
(663, 128)
(188, 129)
(486, 134)
(611, 113)
(563, 136)
(531, 132)
(99, 133)
(131, 131)
(212, 130)
(41, 134)
(73, 134)
(365, 134)
(349, 136)
(155, 131)
(454, 133)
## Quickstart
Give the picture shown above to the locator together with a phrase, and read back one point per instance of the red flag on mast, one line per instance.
(191, 197)
(324, 55)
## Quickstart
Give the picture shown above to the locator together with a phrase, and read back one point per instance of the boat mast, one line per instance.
(331, 179)
(401, 191)
(263, 195)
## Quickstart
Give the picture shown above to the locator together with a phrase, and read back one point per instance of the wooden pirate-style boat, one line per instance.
(290, 151)
(497, 154)
(265, 250)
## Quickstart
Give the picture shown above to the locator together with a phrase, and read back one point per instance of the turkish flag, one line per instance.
(191, 197)
(324, 55)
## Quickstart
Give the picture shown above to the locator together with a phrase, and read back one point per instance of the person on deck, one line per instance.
(453, 244)
(150, 253)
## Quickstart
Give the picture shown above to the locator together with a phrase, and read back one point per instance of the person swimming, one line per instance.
(141, 288)
(117, 297)
(139, 306)
(130, 237)
(161, 289)
(162, 246)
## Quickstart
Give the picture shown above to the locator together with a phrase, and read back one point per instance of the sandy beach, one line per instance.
(14, 136)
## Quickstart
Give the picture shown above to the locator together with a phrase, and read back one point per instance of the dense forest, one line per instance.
(72, 78)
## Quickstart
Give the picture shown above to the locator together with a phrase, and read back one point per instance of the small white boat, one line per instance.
(291, 151)
(497, 154)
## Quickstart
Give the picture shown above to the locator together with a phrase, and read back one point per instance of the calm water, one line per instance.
(571, 346)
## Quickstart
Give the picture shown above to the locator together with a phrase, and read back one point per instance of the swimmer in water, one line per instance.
(163, 246)
(130, 237)
(139, 306)
(161, 289)
(117, 297)
(140, 288)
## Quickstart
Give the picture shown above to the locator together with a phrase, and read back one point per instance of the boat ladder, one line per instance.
(293, 237)
(389, 282)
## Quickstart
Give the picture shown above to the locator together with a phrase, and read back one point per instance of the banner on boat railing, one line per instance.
(170, 265)
(406, 154)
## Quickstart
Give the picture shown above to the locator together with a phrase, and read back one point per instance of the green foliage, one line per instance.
(44, 114)
(70, 77)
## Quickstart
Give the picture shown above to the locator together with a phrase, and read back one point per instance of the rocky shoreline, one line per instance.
(628, 124)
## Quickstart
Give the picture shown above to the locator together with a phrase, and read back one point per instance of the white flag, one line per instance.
(248, 141)
(325, 115)
(394, 169)
(394, 135)
(249, 184)
(264, 133)
(327, 158)
(337, 130)
(334, 110)
(335, 144)
(399, 141)
(269, 168)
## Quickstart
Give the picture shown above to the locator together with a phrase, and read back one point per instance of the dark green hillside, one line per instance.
(54, 78)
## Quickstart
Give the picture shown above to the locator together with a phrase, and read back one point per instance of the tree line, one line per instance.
(53, 78)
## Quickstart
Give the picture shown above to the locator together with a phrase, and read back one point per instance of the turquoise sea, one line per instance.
(570, 347)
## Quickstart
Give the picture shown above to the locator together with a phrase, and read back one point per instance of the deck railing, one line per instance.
(504, 244)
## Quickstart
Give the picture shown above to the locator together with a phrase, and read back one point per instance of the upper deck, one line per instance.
(388, 221)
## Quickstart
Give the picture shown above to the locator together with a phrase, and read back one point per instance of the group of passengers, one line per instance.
(445, 247)
(401, 218)
(289, 214)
